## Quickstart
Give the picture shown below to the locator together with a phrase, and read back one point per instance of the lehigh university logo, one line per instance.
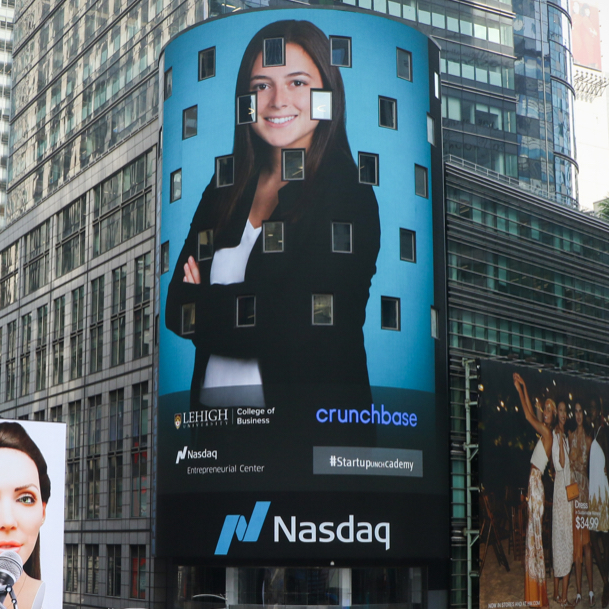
(177, 419)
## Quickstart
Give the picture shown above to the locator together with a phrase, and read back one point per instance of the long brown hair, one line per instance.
(250, 152)
(12, 435)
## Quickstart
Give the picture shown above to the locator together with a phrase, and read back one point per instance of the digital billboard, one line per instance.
(544, 504)
(302, 370)
(586, 34)
(32, 492)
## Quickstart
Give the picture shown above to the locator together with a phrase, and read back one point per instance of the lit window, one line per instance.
(321, 105)
(168, 83)
(175, 186)
(435, 332)
(206, 245)
(431, 130)
(323, 309)
(390, 313)
(274, 52)
(341, 51)
(246, 311)
(246, 109)
(189, 122)
(207, 63)
(436, 84)
(188, 318)
(388, 115)
(292, 164)
(341, 237)
(408, 245)
(404, 59)
(164, 257)
(420, 181)
(368, 168)
(273, 237)
(225, 171)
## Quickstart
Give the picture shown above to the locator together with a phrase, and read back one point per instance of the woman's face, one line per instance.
(579, 415)
(284, 99)
(562, 413)
(22, 511)
(548, 412)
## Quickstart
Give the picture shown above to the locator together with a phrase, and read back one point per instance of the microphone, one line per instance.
(11, 568)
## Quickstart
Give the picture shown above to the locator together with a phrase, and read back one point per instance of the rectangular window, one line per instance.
(58, 349)
(78, 302)
(404, 64)
(390, 313)
(206, 245)
(207, 63)
(119, 290)
(340, 51)
(321, 105)
(189, 122)
(11, 354)
(72, 489)
(59, 318)
(342, 237)
(76, 355)
(113, 553)
(26, 341)
(140, 414)
(368, 168)
(420, 181)
(42, 316)
(435, 331)
(408, 245)
(70, 248)
(94, 425)
(273, 237)
(117, 349)
(246, 109)
(323, 309)
(55, 414)
(71, 567)
(225, 171)
(115, 431)
(175, 189)
(246, 311)
(139, 483)
(115, 486)
(273, 53)
(431, 130)
(74, 430)
(8, 275)
(293, 164)
(142, 313)
(164, 257)
(92, 569)
(36, 263)
(93, 480)
(41, 369)
(97, 324)
(188, 318)
(388, 114)
(168, 88)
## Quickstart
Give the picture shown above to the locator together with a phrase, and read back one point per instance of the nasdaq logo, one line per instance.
(235, 524)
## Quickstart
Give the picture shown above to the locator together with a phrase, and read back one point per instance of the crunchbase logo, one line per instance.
(303, 532)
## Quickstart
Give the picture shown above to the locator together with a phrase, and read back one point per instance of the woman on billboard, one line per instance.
(580, 441)
(535, 588)
(25, 488)
(280, 300)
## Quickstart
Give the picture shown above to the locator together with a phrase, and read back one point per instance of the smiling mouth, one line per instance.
(280, 120)
(9, 545)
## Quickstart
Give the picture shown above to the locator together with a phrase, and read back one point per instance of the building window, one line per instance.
(273, 237)
(189, 122)
(118, 320)
(138, 570)
(115, 457)
(114, 570)
(340, 51)
(431, 130)
(73, 464)
(39, 415)
(97, 324)
(92, 569)
(207, 63)
(76, 337)
(293, 164)
(142, 313)
(11, 354)
(321, 105)
(390, 313)
(71, 567)
(225, 171)
(246, 109)
(246, 311)
(115, 432)
(188, 318)
(404, 64)
(342, 237)
(206, 245)
(273, 52)
(164, 257)
(140, 414)
(70, 248)
(74, 430)
(72, 490)
(8, 275)
(59, 324)
(435, 331)
(36, 259)
(26, 342)
(368, 168)
(408, 245)
(388, 113)
(323, 309)
(93, 458)
(168, 85)
(175, 186)
(55, 414)
(139, 483)
(41, 348)
(420, 181)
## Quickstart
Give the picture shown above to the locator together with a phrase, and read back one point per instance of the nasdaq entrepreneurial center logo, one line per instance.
(235, 524)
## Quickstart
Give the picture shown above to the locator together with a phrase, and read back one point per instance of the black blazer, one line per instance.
(291, 351)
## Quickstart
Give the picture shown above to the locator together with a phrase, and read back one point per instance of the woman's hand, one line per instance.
(518, 382)
(191, 271)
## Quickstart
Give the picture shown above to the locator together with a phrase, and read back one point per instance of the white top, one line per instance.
(598, 486)
(228, 266)
(539, 458)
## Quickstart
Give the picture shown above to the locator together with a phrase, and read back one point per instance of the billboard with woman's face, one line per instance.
(31, 512)
(302, 294)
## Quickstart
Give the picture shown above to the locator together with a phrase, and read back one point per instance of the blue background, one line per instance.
(403, 359)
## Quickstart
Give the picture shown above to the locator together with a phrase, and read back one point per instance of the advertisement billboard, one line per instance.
(302, 302)
(586, 34)
(544, 502)
(32, 491)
